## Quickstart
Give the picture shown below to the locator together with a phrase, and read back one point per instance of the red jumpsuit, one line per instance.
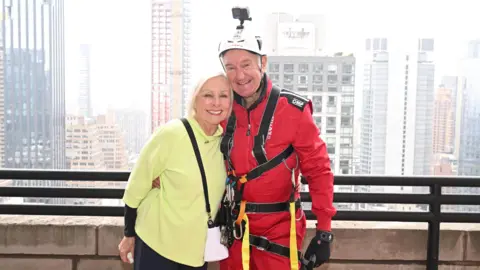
(292, 124)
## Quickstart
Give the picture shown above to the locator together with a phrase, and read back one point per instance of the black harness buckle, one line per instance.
(262, 243)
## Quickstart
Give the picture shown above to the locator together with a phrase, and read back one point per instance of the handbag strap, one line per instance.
(200, 165)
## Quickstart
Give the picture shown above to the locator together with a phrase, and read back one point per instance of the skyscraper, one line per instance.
(2, 96)
(34, 67)
(444, 116)
(132, 124)
(468, 113)
(398, 97)
(171, 60)
(84, 97)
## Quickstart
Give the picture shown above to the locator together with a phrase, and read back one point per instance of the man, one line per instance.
(270, 138)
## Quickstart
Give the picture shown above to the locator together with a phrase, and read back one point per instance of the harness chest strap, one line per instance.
(259, 140)
(226, 144)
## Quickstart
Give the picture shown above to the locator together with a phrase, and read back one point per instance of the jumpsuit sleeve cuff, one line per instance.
(130, 219)
(324, 224)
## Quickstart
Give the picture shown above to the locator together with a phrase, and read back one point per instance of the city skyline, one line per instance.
(114, 56)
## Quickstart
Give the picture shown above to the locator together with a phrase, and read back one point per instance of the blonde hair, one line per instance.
(199, 86)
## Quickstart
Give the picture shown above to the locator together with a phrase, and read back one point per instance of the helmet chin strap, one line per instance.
(260, 86)
(262, 81)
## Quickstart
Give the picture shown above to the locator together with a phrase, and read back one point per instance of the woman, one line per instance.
(166, 228)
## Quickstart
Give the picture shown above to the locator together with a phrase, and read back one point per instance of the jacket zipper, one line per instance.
(248, 117)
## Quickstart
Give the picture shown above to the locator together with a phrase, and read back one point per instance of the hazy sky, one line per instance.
(119, 32)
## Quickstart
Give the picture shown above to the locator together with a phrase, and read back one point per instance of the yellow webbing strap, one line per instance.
(246, 245)
(293, 239)
(246, 237)
(293, 242)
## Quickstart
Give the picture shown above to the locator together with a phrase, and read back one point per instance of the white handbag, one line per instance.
(214, 249)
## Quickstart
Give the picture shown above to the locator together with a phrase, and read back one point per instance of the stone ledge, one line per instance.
(35, 264)
(338, 266)
(358, 266)
(98, 237)
(100, 264)
(45, 236)
(112, 264)
(391, 244)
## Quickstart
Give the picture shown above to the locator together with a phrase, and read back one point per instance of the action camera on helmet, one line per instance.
(242, 14)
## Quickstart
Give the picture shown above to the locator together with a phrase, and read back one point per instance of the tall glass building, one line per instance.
(171, 59)
(34, 83)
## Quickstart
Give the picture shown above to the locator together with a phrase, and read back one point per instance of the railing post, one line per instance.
(433, 245)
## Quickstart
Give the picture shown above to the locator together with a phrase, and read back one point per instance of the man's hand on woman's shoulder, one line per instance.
(156, 182)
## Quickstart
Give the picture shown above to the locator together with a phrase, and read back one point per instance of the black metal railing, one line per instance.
(434, 199)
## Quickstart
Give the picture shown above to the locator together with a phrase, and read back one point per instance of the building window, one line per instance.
(331, 122)
(318, 121)
(347, 89)
(302, 79)
(344, 163)
(332, 68)
(317, 103)
(332, 101)
(287, 78)
(302, 89)
(347, 68)
(288, 68)
(332, 79)
(347, 79)
(317, 68)
(317, 79)
(303, 68)
(332, 89)
(346, 121)
(348, 99)
(331, 109)
(275, 77)
(330, 144)
(274, 67)
(346, 141)
(348, 131)
(347, 110)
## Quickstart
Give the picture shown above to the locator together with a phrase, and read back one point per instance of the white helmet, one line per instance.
(241, 40)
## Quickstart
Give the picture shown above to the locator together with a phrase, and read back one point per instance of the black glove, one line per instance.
(318, 252)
